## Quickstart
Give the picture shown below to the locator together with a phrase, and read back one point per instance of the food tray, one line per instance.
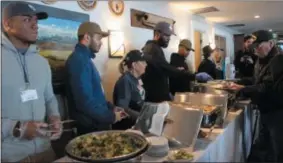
(69, 148)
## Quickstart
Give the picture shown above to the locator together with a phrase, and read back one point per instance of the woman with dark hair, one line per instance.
(207, 65)
(245, 59)
(128, 91)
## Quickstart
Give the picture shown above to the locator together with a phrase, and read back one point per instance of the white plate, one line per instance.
(171, 153)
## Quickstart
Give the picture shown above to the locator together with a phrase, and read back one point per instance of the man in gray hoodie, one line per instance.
(27, 94)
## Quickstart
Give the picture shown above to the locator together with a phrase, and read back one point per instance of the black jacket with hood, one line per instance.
(262, 83)
(158, 70)
(179, 84)
(274, 92)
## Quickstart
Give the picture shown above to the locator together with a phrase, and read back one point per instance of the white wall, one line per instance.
(136, 37)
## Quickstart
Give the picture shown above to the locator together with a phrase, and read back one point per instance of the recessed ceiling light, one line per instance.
(270, 30)
(257, 16)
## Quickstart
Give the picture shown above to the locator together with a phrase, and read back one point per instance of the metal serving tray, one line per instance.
(220, 100)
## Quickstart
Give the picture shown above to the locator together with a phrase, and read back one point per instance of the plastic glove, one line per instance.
(203, 77)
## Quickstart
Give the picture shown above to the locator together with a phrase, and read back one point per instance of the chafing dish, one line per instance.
(184, 126)
(213, 87)
(211, 113)
(219, 100)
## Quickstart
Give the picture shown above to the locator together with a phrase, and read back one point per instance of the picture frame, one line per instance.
(116, 44)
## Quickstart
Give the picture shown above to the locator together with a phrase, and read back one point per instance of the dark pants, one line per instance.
(124, 124)
(269, 146)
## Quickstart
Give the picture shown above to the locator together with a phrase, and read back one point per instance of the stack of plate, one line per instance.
(158, 146)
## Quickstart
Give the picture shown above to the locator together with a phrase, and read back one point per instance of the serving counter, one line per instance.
(232, 143)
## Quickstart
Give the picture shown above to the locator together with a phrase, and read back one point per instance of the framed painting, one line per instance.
(57, 35)
(116, 44)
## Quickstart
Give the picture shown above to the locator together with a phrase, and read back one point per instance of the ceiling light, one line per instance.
(270, 30)
(257, 16)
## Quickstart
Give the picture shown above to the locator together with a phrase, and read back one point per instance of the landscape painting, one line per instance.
(56, 40)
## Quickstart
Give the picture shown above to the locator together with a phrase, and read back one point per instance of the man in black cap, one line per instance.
(261, 94)
(27, 93)
(156, 77)
(178, 60)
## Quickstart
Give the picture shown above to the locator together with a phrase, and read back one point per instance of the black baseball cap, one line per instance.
(134, 56)
(262, 36)
(19, 8)
(165, 28)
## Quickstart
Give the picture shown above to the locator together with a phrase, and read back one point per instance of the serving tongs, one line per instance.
(47, 131)
(63, 122)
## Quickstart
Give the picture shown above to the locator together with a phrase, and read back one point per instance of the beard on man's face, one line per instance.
(163, 43)
(94, 47)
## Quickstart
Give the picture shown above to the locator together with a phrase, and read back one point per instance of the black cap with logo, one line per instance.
(19, 8)
(134, 56)
(165, 28)
(262, 36)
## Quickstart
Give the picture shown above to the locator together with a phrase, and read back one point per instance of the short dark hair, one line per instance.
(80, 38)
(246, 38)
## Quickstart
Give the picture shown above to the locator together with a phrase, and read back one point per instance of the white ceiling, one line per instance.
(241, 12)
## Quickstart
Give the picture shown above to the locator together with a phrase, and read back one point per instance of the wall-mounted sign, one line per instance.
(49, 1)
(87, 5)
(116, 6)
(147, 20)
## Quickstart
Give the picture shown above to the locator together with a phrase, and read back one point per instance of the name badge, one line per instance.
(28, 95)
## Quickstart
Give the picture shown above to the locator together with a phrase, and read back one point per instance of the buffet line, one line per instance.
(168, 130)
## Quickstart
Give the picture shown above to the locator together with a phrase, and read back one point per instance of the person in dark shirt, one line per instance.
(178, 60)
(207, 65)
(158, 70)
(245, 59)
(128, 91)
(266, 93)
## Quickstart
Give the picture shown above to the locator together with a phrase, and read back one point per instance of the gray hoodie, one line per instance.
(13, 109)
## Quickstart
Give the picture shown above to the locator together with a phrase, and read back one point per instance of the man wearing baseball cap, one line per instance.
(157, 73)
(87, 102)
(178, 60)
(27, 93)
(271, 116)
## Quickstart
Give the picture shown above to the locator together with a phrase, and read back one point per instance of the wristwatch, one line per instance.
(17, 132)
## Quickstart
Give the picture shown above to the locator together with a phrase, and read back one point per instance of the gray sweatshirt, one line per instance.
(13, 109)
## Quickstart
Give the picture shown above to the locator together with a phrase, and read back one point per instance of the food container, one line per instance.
(131, 156)
(210, 115)
(172, 156)
(211, 118)
(219, 100)
(158, 146)
(184, 126)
